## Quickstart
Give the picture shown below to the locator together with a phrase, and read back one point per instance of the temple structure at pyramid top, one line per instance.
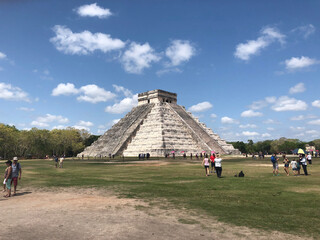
(158, 126)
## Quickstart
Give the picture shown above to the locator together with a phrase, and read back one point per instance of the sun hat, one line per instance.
(9, 162)
(15, 158)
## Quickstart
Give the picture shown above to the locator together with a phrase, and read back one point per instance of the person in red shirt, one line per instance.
(212, 157)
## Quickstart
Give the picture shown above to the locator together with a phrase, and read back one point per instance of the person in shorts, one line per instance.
(8, 178)
(294, 167)
(16, 174)
(286, 165)
(206, 164)
(275, 165)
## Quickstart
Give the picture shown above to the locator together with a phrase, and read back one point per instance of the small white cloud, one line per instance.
(138, 57)
(64, 89)
(81, 127)
(270, 121)
(26, 109)
(124, 105)
(248, 126)
(125, 91)
(251, 113)
(2, 55)
(262, 103)
(84, 123)
(270, 129)
(59, 127)
(9, 92)
(297, 88)
(250, 134)
(212, 115)
(285, 103)
(180, 51)
(200, 107)
(84, 42)
(228, 120)
(314, 122)
(312, 132)
(48, 118)
(266, 135)
(297, 129)
(245, 51)
(302, 117)
(305, 30)
(168, 70)
(316, 103)
(94, 94)
(296, 63)
(93, 10)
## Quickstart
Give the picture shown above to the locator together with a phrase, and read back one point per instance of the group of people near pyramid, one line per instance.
(215, 162)
(295, 164)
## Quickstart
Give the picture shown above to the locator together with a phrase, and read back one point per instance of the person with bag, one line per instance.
(16, 174)
(7, 180)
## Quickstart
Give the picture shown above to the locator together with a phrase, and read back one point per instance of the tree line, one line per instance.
(284, 145)
(38, 143)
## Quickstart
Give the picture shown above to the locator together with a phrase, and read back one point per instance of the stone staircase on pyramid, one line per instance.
(158, 126)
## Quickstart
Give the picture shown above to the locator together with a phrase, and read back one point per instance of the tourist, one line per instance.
(309, 158)
(7, 180)
(16, 173)
(304, 165)
(56, 160)
(275, 165)
(218, 167)
(206, 164)
(294, 167)
(212, 157)
(298, 166)
(61, 162)
(286, 165)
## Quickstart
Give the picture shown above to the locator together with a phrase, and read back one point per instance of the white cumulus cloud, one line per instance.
(124, 90)
(26, 109)
(297, 88)
(2, 55)
(65, 89)
(268, 35)
(248, 126)
(266, 135)
(84, 123)
(302, 117)
(251, 113)
(180, 51)
(124, 105)
(250, 134)
(296, 63)
(212, 115)
(93, 94)
(314, 122)
(200, 107)
(228, 120)
(286, 103)
(316, 103)
(138, 57)
(44, 121)
(84, 42)
(93, 10)
(9, 92)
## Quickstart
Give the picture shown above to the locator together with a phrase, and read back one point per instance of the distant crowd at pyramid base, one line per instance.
(160, 127)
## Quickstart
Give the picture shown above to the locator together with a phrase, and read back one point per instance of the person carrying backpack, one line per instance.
(275, 165)
(16, 174)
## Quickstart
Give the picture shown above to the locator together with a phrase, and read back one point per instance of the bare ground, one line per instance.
(95, 214)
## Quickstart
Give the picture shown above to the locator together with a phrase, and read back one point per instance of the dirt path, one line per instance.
(92, 214)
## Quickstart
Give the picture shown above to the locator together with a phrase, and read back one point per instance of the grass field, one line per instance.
(259, 200)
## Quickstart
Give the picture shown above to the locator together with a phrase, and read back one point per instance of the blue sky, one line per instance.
(248, 69)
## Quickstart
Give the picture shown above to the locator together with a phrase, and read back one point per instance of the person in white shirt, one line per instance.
(294, 167)
(217, 162)
(309, 158)
(303, 162)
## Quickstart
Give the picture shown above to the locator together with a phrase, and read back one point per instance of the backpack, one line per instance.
(273, 159)
(241, 174)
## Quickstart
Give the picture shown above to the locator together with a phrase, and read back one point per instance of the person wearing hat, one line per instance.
(16, 173)
(7, 180)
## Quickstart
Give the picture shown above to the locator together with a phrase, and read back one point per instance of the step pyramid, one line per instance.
(158, 126)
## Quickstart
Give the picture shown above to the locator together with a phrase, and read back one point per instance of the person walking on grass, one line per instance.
(309, 158)
(206, 164)
(304, 165)
(8, 178)
(294, 167)
(275, 165)
(212, 157)
(218, 166)
(16, 174)
(61, 162)
(286, 165)
(55, 158)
